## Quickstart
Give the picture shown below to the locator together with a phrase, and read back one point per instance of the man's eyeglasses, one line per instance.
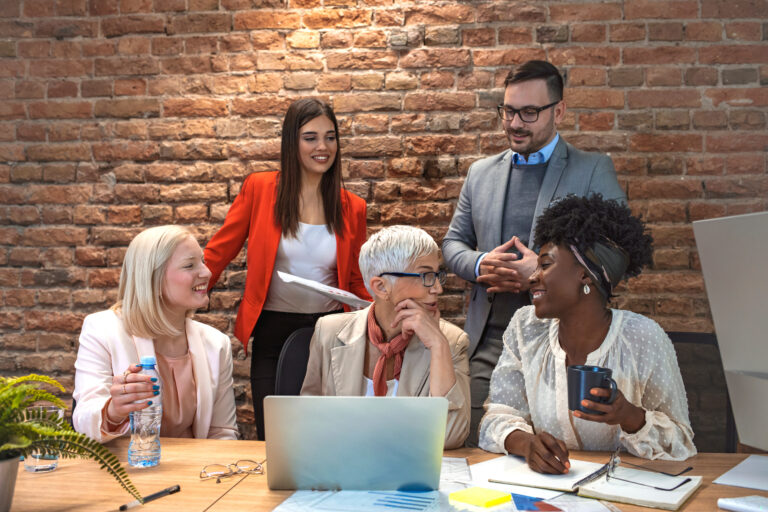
(427, 278)
(613, 465)
(527, 114)
(219, 471)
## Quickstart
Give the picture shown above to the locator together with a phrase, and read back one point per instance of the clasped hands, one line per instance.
(504, 271)
(126, 388)
(545, 453)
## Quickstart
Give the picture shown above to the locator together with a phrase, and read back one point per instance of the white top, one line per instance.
(391, 387)
(311, 255)
(529, 388)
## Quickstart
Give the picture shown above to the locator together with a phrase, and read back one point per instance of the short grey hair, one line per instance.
(393, 249)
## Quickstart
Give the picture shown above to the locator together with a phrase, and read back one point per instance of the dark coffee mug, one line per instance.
(581, 379)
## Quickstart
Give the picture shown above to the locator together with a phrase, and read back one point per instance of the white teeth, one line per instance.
(199, 288)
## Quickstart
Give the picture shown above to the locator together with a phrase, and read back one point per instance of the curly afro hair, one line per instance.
(582, 221)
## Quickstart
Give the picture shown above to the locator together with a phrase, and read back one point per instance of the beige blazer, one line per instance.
(106, 349)
(337, 358)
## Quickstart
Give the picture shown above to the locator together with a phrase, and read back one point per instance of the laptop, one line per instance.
(357, 443)
(733, 253)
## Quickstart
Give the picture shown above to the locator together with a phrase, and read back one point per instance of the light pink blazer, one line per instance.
(107, 350)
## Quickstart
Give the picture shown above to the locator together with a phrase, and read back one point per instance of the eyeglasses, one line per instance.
(616, 460)
(427, 278)
(219, 471)
(527, 114)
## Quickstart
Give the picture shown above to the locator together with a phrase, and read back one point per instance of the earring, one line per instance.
(586, 289)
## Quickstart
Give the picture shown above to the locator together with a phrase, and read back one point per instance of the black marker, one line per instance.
(152, 497)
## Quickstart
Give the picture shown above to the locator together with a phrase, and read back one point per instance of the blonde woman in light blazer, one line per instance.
(399, 346)
(163, 280)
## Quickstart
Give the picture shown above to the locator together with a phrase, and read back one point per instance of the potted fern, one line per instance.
(21, 433)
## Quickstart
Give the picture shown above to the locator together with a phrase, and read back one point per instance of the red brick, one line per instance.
(746, 119)
(745, 164)
(733, 54)
(585, 56)
(586, 76)
(736, 142)
(665, 188)
(588, 33)
(741, 186)
(439, 15)
(495, 12)
(710, 120)
(437, 57)
(136, 24)
(660, 55)
(626, 32)
(33, 49)
(440, 144)
(439, 101)
(596, 121)
(663, 77)
(594, 98)
(199, 22)
(114, 151)
(194, 108)
(127, 66)
(61, 28)
(62, 67)
(740, 97)
(701, 76)
(366, 102)
(733, 9)
(744, 31)
(362, 59)
(473, 37)
(663, 98)
(647, 142)
(506, 57)
(665, 9)
(12, 110)
(416, 214)
(703, 31)
(127, 108)
(372, 146)
(336, 18)
(704, 166)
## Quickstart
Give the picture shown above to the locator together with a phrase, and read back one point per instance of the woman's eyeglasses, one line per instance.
(219, 471)
(613, 465)
(427, 278)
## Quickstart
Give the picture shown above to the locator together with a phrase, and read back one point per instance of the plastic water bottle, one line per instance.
(144, 449)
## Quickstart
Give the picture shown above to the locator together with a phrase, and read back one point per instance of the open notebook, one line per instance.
(588, 479)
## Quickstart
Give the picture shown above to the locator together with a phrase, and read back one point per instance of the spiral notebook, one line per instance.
(588, 479)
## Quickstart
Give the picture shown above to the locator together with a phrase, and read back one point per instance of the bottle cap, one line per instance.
(148, 361)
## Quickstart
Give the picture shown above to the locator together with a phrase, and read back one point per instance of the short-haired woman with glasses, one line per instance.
(399, 346)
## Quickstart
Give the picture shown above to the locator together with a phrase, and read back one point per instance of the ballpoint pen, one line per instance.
(152, 497)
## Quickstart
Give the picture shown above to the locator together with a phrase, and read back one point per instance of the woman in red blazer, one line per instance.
(298, 220)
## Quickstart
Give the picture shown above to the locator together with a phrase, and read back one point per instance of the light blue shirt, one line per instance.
(541, 156)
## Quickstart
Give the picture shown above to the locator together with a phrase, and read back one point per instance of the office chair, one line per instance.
(292, 364)
(705, 338)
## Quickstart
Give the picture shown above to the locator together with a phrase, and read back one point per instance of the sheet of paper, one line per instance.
(354, 501)
(455, 469)
(342, 296)
(751, 473)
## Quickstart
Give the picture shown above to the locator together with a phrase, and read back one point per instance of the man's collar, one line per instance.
(539, 157)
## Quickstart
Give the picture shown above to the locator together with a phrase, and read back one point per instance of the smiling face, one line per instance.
(186, 279)
(557, 282)
(527, 138)
(317, 145)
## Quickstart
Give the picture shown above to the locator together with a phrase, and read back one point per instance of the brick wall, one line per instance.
(122, 114)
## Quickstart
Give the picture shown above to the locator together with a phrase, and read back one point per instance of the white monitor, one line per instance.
(734, 261)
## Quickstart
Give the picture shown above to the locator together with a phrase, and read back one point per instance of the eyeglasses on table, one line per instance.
(219, 471)
(615, 460)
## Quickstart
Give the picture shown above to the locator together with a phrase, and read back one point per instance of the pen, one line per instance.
(152, 497)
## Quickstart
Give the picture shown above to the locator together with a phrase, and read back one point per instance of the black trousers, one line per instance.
(269, 335)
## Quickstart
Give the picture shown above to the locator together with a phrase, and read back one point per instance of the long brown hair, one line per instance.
(289, 184)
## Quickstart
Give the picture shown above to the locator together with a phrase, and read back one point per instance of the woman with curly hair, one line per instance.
(588, 245)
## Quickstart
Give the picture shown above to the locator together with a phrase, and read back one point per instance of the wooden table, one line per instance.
(80, 485)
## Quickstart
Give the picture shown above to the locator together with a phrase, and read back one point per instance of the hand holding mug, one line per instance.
(126, 388)
(620, 412)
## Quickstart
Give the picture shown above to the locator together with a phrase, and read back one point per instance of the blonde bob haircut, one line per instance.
(140, 296)
(393, 249)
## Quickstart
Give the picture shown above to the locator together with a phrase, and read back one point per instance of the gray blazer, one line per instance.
(570, 171)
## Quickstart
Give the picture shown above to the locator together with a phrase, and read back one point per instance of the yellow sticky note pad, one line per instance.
(481, 497)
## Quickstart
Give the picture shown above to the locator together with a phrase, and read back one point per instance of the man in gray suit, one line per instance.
(487, 241)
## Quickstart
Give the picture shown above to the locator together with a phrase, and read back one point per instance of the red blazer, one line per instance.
(252, 217)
